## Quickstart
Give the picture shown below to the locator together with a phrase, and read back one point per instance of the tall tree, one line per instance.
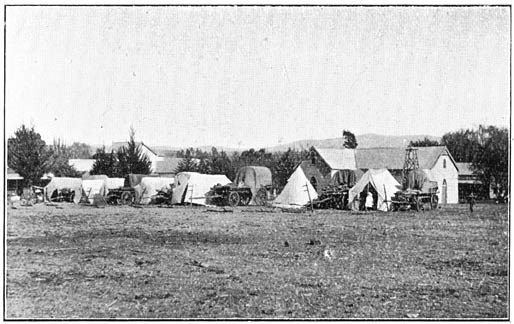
(188, 163)
(79, 151)
(28, 155)
(349, 140)
(424, 142)
(464, 144)
(105, 163)
(492, 161)
(131, 158)
(59, 161)
(284, 165)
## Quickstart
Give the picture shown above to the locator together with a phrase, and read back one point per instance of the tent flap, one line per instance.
(384, 184)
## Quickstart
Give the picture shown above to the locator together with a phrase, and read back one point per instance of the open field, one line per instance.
(123, 262)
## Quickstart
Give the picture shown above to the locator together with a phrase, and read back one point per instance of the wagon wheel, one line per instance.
(111, 200)
(234, 199)
(245, 200)
(416, 204)
(434, 202)
(260, 197)
(126, 198)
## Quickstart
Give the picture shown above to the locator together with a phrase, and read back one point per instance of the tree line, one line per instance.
(486, 148)
(281, 164)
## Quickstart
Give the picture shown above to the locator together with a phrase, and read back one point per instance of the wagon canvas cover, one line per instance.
(114, 183)
(59, 183)
(193, 187)
(254, 177)
(149, 186)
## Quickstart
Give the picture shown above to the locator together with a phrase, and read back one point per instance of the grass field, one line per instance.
(122, 262)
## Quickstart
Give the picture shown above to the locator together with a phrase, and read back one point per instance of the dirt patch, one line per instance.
(184, 263)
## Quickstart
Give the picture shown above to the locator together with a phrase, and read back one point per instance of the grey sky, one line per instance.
(254, 76)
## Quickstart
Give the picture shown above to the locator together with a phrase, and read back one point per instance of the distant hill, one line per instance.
(171, 151)
(364, 141)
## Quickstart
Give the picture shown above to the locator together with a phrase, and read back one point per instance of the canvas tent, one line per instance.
(58, 183)
(254, 177)
(295, 192)
(381, 181)
(149, 186)
(193, 187)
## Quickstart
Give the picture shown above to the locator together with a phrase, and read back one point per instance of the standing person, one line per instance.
(369, 201)
(472, 201)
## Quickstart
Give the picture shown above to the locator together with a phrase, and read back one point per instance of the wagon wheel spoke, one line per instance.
(245, 200)
(234, 199)
(126, 198)
(434, 202)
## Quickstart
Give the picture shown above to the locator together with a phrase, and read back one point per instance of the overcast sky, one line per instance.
(254, 76)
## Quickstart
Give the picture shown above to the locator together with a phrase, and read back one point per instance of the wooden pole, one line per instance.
(191, 199)
(309, 194)
(385, 194)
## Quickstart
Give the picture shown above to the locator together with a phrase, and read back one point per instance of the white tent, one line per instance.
(383, 183)
(58, 183)
(92, 187)
(295, 192)
(114, 183)
(149, 186)
(193, 186)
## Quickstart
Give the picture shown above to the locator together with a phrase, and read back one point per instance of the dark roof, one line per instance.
(338, 159)
(13, 175)
(380, 158)
(384, 158)
(168, 165)
(465, 168)
(117, 145)
(394, 158)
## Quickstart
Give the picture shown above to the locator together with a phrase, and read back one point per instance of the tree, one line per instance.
(284, 166)
(28, 155)
(131, 158)
(463, 145)
(188, 163)
(220, 163)
(486, 148)
(60, 161)
(105, 163)
(424, 142)
(79, 151)
(492, 161)
(349, 140)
